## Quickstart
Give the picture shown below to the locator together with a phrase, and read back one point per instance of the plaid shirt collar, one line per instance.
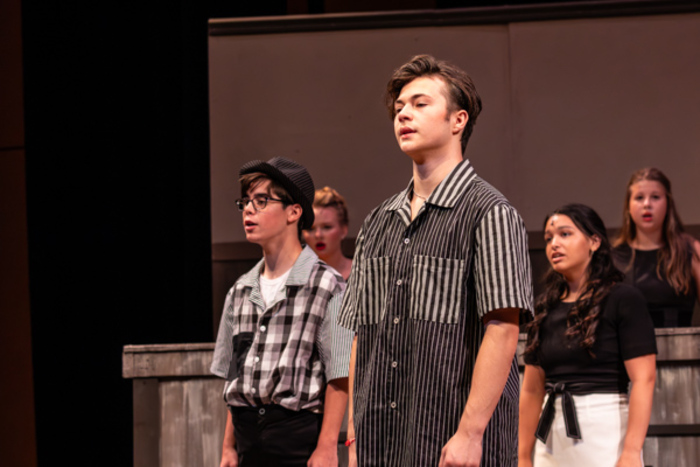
(298, 276)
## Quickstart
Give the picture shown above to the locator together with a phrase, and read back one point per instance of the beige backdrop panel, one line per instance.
(571, 108)
(593, 100)
(318, 98)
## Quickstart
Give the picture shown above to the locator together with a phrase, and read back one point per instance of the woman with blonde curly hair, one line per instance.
(329, 229)
(654, 251)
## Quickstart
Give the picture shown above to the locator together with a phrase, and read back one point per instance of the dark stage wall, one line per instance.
(117, 173)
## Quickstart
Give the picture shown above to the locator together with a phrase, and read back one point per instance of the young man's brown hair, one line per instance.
(461, 90)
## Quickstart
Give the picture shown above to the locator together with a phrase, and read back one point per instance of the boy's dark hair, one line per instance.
(250, 180)
(461, 90)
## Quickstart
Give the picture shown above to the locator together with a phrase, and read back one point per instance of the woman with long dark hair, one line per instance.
(654, 251)
(590, 337)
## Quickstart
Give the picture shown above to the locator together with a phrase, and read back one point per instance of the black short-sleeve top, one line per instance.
(625, 331)
(668, 308)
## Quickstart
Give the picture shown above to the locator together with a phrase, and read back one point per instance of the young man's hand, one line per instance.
(325, 455)
(229, 458)
(461, 450)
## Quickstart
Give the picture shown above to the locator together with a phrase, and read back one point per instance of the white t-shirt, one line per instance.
(270, 287)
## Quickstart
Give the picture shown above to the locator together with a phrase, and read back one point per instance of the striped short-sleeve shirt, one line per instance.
(416, 298)
(283, 353)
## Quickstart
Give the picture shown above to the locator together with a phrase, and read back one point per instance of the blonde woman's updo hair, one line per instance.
(327, 197)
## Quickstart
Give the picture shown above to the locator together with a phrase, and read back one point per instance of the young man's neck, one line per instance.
(428, 172)
(279, 255)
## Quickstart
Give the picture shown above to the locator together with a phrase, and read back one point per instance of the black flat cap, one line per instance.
(292, 177)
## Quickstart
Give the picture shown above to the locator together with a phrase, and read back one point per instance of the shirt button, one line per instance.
(252, 390)
(263, 328)
(393, 405)
(257, 359)
(406, 241)
(396, 320)
(261, 411)
(394, 364)
(399, 282)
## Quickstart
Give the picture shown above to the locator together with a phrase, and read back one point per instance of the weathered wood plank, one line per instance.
(193, 420)
(672, 452)
(676, 395)
(146, 422)
(167, 360)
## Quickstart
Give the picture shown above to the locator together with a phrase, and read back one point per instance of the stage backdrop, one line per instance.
(571, 108)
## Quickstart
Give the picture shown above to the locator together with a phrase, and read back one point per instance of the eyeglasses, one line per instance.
(259, 202)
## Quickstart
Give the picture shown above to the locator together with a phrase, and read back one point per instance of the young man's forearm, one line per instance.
(229, 456)
(336, 402)
(491, 372)
(532, 395)
(334, 408)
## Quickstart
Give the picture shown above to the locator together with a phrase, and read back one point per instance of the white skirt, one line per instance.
(602, 419)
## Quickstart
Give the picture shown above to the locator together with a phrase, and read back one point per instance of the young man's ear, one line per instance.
(459, 120)
(294, 212)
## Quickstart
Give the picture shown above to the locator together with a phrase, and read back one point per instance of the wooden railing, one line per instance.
(179, 412)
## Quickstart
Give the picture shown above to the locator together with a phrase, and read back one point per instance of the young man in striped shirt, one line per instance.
(284, 358)
(440, 275)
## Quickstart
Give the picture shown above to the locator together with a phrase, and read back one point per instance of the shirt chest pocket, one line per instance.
(436, 289)
(374, 285)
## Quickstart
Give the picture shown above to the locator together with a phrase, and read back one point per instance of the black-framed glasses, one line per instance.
(259, 202)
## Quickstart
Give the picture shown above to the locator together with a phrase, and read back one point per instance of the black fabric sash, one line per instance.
(568, 408)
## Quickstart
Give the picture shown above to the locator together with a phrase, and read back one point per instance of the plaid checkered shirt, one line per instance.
(284, 353)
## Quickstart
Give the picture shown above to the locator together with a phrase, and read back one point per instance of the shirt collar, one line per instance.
(446, 193)
(299, 274)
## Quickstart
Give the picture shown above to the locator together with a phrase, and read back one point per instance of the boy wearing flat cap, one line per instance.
(284, 358)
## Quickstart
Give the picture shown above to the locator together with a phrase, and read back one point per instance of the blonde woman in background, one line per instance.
(329, 229)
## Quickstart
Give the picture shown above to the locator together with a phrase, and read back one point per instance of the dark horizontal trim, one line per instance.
(536, 238)
(238, 251)
(245, 251)
(11, 148)
(673, 430)
(448, 17)
(685, 362)
(235, 251)
(166, 348)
